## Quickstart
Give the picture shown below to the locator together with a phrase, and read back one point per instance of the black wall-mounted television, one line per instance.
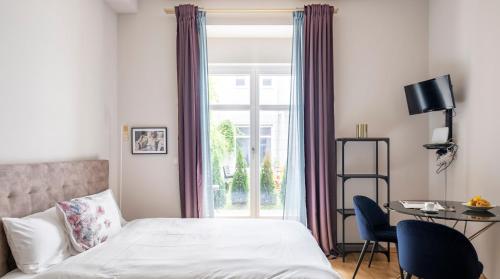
(430, 95)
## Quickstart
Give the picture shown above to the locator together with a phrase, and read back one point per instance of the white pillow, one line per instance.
(106, 197)
(90, 220)
(37, 241)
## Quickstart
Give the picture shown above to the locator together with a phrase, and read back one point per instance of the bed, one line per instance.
(160, 247)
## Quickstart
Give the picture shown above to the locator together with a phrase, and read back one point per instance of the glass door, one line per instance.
(274, 99)
(249, 135)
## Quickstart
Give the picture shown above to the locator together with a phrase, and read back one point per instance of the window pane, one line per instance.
(243, 130)
(230, 156)
(265, 147)
(229, 89)
(274, 89)
(265, 131)
(273, 154)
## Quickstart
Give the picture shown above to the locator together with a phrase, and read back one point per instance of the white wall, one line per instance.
(57, 81)
(465, 42)
(379, 47)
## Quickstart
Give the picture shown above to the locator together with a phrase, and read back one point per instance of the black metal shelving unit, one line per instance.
(344, 248)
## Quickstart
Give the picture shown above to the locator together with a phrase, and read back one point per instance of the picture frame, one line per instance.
(149, 140)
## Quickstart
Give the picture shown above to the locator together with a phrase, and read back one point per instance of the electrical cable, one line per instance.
(444, 160)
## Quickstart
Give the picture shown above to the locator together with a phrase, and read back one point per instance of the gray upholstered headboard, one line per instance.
(29, 188)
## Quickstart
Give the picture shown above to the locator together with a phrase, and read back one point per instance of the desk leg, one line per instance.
(478, 233)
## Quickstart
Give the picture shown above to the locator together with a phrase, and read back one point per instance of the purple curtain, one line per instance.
(188, 80)
(319, 127)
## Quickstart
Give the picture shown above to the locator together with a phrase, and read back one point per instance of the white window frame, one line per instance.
(254, 107)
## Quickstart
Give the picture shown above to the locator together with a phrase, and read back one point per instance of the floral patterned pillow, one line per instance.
(89, 221)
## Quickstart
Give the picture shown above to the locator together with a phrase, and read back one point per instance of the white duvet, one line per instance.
(201, 248)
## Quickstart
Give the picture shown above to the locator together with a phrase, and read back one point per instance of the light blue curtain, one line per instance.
(208, 200)
(295, 199)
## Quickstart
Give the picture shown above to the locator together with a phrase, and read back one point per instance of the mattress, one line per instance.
(201, 248)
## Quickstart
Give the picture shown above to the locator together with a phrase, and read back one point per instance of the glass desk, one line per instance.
(459, 214)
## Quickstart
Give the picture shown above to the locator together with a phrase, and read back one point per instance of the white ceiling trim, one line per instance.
(123, 6)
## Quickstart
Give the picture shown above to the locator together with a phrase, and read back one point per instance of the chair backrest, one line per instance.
(369, 217)
(428, 250)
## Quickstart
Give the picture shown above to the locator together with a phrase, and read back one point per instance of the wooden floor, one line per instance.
(380, 268)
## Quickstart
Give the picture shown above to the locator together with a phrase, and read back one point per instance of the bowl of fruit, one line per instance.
(477, 203)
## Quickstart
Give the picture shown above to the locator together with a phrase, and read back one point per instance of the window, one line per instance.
(267, 82)
(248, 138)
(240, 82)
(243, 139)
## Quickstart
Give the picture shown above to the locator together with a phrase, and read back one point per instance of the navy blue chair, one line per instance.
(431, 251)
(373, 226)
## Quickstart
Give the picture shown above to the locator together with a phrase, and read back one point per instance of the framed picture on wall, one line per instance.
(149, 140)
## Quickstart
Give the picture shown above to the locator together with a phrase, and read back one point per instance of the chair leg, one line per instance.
(373, 252)
(388, 252)
(363, 251)
(400, 269)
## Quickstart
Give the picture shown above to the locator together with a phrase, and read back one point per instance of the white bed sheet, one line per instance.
(18, 274)
(201, 248)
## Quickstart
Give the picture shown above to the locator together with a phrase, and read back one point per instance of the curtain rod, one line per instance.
(170, 11)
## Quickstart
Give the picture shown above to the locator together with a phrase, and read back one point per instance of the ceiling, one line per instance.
(123, 6)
